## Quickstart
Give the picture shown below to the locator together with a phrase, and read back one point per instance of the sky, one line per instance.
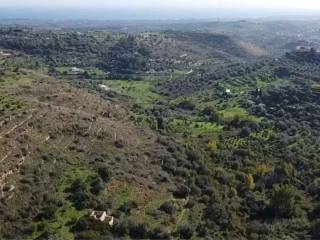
(205, 4)
(155, 9)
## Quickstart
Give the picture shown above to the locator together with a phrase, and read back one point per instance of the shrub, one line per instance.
(168, 207)
(245, 132)
(262, 170)
(81, 224)
(218, 214)
(201, 230)
(127, 207)
(48, 211)
(281, 72)
(121, 228)
(90, 234)
(79, 195)
(96, 185)
(138, 231)
(119, 143)
(105, 174)
(285, 169)
(212, 145)
(77, 186)
(159, 234)
(186, 105)
(315, 229)
(182, 192)
(249, 182)
(193, 155)
(315, 214)
(212, 113)
(282, 202)
(185, 232)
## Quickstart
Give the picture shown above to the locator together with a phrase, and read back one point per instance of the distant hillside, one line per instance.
(224, 44)
(126, 54)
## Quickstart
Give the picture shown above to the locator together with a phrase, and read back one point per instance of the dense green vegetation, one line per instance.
(174, 134)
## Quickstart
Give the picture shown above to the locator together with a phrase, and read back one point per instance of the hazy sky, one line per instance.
(270, 4)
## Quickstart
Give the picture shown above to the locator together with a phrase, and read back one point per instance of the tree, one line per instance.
(212, 113)
(86, 74)
(77, 186)
(168, 207)
(315, 229)
(185, 232)
(282, 202)
(79, 195)
(159, 233)
(127, 207)
(281, 72)
(245, 132)
(96, 185)
(186, 105)
(249, 181)
(105, 174)
(138, 231)
(51, 70)
(218, 214)
(182, 192)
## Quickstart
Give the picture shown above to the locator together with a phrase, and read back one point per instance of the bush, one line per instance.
(212, 113)
(90, 234)
(121, 228)
(315, 229)
(245, 132)
(79, 195)
(285, 169)
(77, 186)
(47, 211)
(185, 232)
(81, 200)
(186, 105)
(182, 192)
(119, 143)
(249, 182)
(105, 174)
(96, 185)
(218, 214)
(168, 207)
(138, 231)
(315, 214)
(193, 155)
(127, 207)
(201, 230)
(159, 234)
(282, 204)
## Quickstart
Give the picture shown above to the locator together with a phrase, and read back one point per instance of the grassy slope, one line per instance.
(139, 91)
(68, 154)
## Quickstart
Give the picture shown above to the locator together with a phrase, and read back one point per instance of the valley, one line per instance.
(181, 131)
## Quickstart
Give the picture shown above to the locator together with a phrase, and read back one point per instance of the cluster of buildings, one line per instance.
(5, 54)
(305, 49)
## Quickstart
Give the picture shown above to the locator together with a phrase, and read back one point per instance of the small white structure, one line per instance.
(99, 215)
(303, 49)
(111, 222)
(104, 87)
(191, 71)
(102, 216)
(228, 91)
(4, 54)
(76, 70)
